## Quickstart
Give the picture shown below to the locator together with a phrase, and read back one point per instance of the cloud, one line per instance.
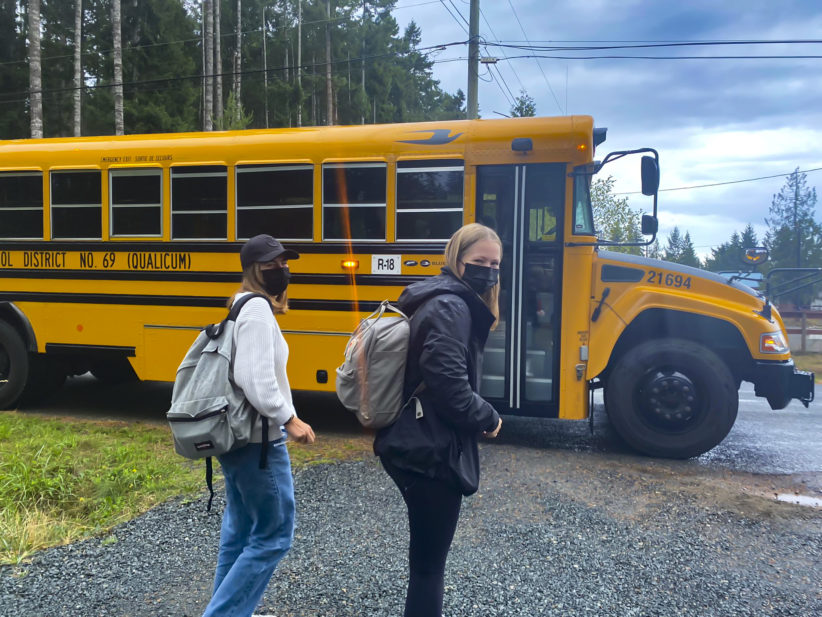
(711, 120)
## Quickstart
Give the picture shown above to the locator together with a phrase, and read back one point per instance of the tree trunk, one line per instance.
(362, 55)
(208, 64)
(78, 66)
(116, 26)
(329, 96)
(238, 61)
(35, 70)
(313, 90)
(265, 71)
(218, 62)
(299, 62)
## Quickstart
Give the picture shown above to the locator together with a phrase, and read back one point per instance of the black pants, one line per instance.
(433, 512)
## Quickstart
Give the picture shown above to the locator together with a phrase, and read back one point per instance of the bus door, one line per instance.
(525, 204)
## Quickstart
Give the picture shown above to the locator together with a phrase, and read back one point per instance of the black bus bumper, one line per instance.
(779, 382)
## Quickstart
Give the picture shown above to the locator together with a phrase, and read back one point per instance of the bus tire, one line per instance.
(671, 398)
(14, 365)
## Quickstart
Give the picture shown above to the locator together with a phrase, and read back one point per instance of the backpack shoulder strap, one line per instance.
(240, 303)
(215, 330)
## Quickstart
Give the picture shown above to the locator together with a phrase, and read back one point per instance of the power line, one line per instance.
(620, 57)
(638, 41)
(510, 96)
(650, 45)
(545, 77)
(464, 29)
(491, 30)
(458, 12)
(702, 186)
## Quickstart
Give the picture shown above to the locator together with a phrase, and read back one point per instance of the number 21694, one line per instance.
(668, 279)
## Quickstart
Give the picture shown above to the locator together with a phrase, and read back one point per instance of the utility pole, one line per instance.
(796, 221)
(473, 60)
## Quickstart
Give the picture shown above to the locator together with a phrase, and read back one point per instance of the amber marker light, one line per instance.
(582, 147)
(350, 264)
(773, 342)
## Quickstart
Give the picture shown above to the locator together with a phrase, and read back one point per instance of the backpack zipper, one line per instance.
(198, 418)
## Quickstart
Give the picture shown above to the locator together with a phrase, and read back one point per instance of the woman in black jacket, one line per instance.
(451, 315)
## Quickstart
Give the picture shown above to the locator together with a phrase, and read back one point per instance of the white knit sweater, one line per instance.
(260, 358)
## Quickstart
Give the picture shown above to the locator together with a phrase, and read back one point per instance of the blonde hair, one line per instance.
(463, 239)
(253, 281)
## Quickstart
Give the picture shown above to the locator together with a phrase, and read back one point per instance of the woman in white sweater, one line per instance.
(258, 522)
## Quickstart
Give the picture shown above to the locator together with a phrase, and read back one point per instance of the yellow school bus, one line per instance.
(115, 251)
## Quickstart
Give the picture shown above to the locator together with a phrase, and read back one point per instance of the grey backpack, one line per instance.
(370, 380)
(209, 414)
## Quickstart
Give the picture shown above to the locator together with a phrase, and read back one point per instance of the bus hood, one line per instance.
(647, 262)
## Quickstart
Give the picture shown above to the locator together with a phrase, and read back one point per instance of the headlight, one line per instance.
(773, 342)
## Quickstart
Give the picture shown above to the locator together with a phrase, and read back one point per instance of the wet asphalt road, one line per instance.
(774, 442)
(762, 441)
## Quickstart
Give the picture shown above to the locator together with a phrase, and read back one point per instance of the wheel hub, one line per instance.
(668, 399)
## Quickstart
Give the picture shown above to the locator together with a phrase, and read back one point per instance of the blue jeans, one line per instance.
(257, 529)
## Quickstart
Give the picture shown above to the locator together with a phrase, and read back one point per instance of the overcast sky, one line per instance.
(712, 120)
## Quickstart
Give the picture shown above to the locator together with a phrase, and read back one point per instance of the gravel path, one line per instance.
(550, 533)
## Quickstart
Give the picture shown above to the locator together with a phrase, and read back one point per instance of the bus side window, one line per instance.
(277, 200)
(354, 201)
(199, 202)
(136, 202)
(21, 205)
(429, 199)
(76, 205)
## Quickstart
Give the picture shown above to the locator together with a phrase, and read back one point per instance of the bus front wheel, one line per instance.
(14, 365)
(672, 398)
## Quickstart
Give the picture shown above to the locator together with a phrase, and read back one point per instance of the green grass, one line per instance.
(809, 362)
(64, 480)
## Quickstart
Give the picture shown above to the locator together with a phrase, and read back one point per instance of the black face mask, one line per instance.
(480, 278)
(276, 280)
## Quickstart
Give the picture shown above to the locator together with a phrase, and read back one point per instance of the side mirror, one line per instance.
(650, 225)
(650, 176)
(755, 256)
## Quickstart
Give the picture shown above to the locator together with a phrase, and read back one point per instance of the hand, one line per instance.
(495, 432)
(299, 431)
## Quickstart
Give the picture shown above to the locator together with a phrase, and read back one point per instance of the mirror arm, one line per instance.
(614, 156)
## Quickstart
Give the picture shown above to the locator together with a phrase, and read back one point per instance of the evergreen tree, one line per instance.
(653, 251)
(748, 238)
(377, 73)
(726, 257)
(161, 69)
(673, 251)
(234, 117)
(687, 256)
(57, 67)
(794, 237)
(13, 73)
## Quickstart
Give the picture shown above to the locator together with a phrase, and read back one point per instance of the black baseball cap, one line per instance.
(263, 248)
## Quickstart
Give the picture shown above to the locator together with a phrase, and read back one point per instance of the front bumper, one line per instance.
(779, 382)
